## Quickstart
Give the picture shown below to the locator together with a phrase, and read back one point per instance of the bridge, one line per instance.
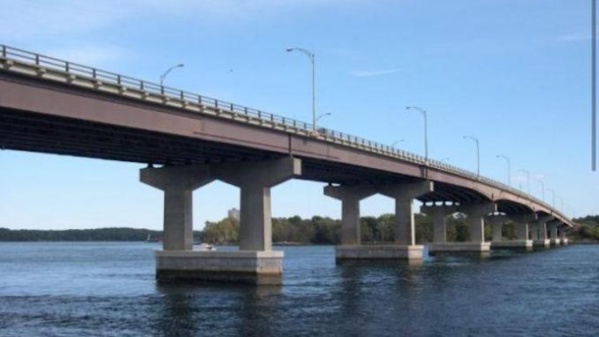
(187, 140)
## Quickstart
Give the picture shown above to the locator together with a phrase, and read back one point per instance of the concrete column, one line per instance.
(255, 180)
(541, 231)
(178, 184)
(476, 214)
(553, 237)
(254, 263)
(477, 244)
(350, 197)
(562, 236)
(522, 230)
(522, 242)
(497, 222)
(439, 215)
(404, 194)
(404, 246)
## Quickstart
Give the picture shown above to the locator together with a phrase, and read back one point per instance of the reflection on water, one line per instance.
(97, 289)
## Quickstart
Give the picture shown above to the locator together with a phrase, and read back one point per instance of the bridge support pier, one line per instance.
(404, 247)
(562, 236)
(497, 222)
(255, 262)
(476, 214)
(178, 184)
(554, 239)
(522, 242)
(541, 240)
(439, 214)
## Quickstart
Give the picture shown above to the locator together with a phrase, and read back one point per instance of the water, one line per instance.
(108, 289)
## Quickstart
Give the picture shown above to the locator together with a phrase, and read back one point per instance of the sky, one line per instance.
(513, 73)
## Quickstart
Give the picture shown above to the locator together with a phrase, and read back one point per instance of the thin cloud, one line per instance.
(574, 38)
(373, 73)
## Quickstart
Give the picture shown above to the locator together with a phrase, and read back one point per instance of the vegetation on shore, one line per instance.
(296, 230)
(587, 229)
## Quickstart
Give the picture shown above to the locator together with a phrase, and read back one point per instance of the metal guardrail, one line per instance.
(73, 72)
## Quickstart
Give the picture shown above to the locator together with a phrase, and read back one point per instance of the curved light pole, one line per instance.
(509, 168)
(311, 57)
(423, 112)
(322, 115)
(527, 179)
(163, 76)
(552, 196)
(477, 153)
(561, 203)
(542, 188)
(397, 141)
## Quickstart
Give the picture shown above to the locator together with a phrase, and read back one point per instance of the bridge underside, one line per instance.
(25, 131)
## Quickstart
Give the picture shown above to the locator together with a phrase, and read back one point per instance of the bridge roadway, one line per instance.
(187, 140)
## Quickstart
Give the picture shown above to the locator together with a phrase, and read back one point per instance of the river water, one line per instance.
(108, 289)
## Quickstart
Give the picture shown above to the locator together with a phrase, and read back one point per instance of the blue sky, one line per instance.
(513, 73)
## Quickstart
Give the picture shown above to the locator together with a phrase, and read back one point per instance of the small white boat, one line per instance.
(203, 246)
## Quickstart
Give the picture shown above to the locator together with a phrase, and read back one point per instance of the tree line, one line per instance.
(315, 230)
(324, 230)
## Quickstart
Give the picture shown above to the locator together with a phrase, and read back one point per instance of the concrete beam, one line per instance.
(350, 197)
(178, 183)
(255, 180)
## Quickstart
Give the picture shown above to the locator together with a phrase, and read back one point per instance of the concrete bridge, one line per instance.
(187, 140)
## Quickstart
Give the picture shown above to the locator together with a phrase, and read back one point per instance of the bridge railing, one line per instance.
(200, 103)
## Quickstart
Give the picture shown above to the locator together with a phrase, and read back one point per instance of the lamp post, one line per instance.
(397, 141)
(542, 188)
(322, 115)
(477, 153)
(561, 203)
(552, 196)
(163, 76)
(311, 57)
(509, 168)
(527, 179)
(423, 112)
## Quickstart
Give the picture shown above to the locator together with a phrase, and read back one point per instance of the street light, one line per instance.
(423, 112)
(542, 188)
(397, 141)
(163, 76)
(552, 196)
(322, 115)
(561, 202)
(527, 178)
(477, 153)
(311, 57)
(509, 168)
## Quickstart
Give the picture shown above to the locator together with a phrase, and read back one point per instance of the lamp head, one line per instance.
(289, 49)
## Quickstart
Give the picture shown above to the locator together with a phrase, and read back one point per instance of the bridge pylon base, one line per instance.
(460, 247)
(541, 243)
(512, 244)
(378, 252)
(249, 267)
